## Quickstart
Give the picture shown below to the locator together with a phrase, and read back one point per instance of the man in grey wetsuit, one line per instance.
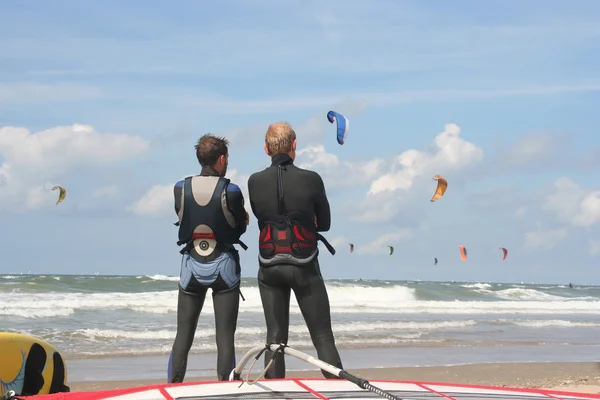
(212, 218)
(291, 207)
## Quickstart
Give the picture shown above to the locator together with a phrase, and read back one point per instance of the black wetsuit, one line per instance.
(304, 193)
(223, 277)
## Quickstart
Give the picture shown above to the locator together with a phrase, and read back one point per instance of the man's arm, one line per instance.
(235, 203)
(177, 189)
(250, 190)
(322, 209)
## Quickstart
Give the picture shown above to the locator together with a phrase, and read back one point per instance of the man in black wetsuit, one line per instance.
(212, 218)
(291, 207)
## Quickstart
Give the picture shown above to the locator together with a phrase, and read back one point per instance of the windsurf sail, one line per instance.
(351, 247)
(391, 250)
(435, 260)
(442, 185)
(504, 253)
(342, 125)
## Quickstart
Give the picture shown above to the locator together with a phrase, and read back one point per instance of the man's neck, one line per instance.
(209, 171)
(281, 158)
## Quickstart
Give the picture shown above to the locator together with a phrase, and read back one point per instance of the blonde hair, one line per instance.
(279, 138)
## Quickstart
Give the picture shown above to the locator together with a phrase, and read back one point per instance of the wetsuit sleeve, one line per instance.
(235, 203)
(177, 189)
(250, 190)
(322, 209)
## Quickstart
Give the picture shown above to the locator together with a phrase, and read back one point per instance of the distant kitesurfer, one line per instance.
(570, 285)
(212, 218)
(286, 199)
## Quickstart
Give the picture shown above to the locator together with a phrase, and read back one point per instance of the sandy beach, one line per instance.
(581, 377)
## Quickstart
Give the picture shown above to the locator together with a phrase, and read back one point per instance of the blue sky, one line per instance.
(107, 99)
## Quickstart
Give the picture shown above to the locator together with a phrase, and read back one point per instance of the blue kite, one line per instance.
(342, 125)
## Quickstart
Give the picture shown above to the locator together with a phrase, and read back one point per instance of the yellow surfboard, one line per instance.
(30, 366)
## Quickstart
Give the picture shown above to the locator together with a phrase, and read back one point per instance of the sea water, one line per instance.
(105, 325)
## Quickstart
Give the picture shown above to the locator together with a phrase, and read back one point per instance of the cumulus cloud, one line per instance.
(335, 172)
(450, 152)
(158, 200)
(573, 204)
(33, 161)
(380, 245)
(241, 180)
(545, 239)
(411, 173)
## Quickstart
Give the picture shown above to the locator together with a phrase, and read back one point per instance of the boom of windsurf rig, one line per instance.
(257, 352)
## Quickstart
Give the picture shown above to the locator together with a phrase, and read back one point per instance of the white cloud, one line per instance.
(573, 204)
(158, 200)
(380, 245)
(242, 181)
(31, 160)
(335, 172)
(378, 208)
(410, 175)
(545, 239)
(451, 152)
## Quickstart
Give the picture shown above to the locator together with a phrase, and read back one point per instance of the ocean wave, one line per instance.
(160, 278)
(526, 294)
(477, 286)
(419, 327)
(343, 300)
(555, 323)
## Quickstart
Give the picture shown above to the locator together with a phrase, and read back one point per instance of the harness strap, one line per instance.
(200, 235)
(281, 210)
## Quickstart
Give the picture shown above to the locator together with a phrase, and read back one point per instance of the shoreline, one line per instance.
(581, 377)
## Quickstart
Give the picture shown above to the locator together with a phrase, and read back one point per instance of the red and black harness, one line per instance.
(289, 233)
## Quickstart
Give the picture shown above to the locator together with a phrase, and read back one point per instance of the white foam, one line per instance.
(477, 286)
(209, 346)
(525, 294)
(355, 327)
(343, 300)
(162, 278)
(556, 323)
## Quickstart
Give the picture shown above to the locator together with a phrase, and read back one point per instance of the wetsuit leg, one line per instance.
(275, 296)
(226, 305)
(189, 306)
(313, 302)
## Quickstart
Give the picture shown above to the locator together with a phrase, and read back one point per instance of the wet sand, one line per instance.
(581, 377)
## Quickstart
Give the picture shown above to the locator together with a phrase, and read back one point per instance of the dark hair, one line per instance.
(209, 148)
